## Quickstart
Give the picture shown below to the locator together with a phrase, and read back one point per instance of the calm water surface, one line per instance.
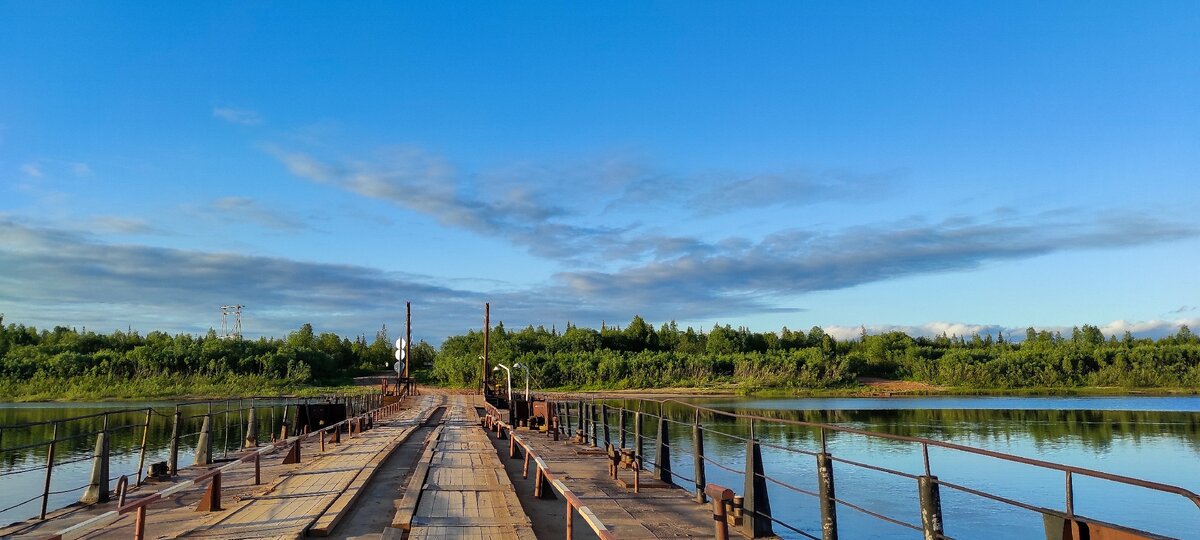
(1155, 438)
(22, 472)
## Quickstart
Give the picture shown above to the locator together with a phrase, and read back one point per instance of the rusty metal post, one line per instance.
(720, 498)
(173, 460)
(829, 528)
(570, 520)
(931, 506)
(49, 470)
(757, 503)
(639, 440)
(257, 468)
(211, 500)
(139, 523)
(698, 459)
(662, 457)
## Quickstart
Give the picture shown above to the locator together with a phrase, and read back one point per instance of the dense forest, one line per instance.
(69, 363)
(640, 356)
(65, 362)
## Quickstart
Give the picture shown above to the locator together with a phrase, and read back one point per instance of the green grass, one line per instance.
(167, 387)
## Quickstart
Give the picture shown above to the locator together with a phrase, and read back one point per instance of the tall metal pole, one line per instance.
(487, 329)
(407, 337)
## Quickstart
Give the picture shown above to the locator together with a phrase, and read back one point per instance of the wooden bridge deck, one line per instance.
(294, 500)
(459, 488)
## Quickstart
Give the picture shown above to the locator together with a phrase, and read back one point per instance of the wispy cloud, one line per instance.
(54, 276)
(122, 225)
(32, 170)
(247, 209)
(244, 117)
(547, 221)
(799, 188)
(739, 276)
(1183, 309)
(81, 169)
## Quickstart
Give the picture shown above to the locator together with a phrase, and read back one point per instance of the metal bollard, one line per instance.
(721, 496)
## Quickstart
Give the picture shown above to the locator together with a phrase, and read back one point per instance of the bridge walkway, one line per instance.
(459, 488)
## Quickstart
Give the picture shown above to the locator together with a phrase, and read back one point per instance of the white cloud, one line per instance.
(1153, 329)
(32, 170)
(81, 169)
(244, 117)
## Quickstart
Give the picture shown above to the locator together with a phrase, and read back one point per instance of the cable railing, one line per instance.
(600, 422)
(130, 437)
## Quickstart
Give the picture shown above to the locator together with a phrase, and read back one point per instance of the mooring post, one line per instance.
(251, 428)
(662, 458)
(757, 503)
(604, 422)
(698, 459)
(204, 442)
(829, 528)
(49, 470)
(567, 409)
(97, 491)
(639, 440)
(173, 460)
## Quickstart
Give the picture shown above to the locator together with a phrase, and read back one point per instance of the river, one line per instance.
(1154, 438)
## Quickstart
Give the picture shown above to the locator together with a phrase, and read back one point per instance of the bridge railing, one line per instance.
(211, 500)
(544, 478)
(602, 421)
(121, 433)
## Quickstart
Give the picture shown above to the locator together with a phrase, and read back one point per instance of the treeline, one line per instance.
(34, 358)
(641, 356)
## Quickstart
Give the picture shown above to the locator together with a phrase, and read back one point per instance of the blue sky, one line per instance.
(923, 166)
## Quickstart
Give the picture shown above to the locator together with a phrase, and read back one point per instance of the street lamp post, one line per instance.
(526, 368)
(498, 366)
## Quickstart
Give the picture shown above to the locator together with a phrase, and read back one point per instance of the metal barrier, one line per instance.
(592, 416)
(543, 477)
(211, 501)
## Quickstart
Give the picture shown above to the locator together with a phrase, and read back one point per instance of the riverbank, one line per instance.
(874, 387)
(167, 388)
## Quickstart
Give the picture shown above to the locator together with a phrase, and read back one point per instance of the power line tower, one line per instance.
(237, 321)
